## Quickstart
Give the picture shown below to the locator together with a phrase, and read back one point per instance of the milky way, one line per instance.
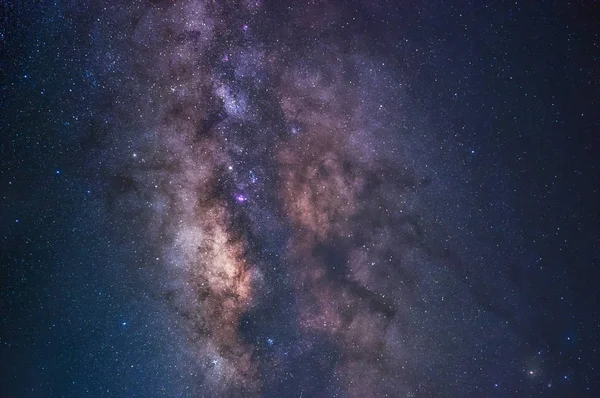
(274, 176)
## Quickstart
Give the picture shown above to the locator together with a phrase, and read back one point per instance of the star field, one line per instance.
(299, 199)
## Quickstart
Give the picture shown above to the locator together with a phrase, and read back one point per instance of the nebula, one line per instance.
(284, 234)
(270, 177)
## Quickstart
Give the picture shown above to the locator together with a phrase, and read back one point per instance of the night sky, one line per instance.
(260, 198)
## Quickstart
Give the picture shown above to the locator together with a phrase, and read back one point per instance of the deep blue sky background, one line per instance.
(510, 94)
